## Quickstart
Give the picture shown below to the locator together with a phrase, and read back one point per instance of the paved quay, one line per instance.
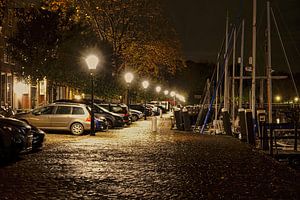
(136, 163)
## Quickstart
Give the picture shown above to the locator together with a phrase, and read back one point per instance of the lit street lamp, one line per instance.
(128, 79)
(145, 86)
(278, 98)
(158, 89)
(92, 62)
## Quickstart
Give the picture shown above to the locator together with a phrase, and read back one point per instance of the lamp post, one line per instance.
(166, 92)
(128, 79)
(92, 62)
(158, 89)
(145, 86)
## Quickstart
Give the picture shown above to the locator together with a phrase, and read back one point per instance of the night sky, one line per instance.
(201, 28)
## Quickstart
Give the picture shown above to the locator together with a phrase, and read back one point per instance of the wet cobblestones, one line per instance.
(135, 163)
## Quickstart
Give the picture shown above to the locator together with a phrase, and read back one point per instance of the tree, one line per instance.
(132, 34)
(131, 26)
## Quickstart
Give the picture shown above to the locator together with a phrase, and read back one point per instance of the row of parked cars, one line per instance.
(23, 132)
(75, 115)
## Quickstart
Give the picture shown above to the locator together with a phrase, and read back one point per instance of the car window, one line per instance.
(43, 110)
(103, 109)
(63, 110)
(77, 111)
(105, 106)
(117, 109)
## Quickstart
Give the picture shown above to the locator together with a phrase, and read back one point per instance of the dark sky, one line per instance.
(201, 27)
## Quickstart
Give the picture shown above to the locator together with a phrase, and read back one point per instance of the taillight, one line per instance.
(88, 119)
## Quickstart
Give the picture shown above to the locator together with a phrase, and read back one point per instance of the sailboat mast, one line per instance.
(253, 102)
(242, 65)
(233, 76)
(226, 82)
(269, 64)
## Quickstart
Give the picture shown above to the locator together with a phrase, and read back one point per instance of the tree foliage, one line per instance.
(132, 34)
(138, 32)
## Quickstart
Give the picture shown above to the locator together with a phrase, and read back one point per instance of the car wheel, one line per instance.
(77, 128)
(134, 118)
(109, 124)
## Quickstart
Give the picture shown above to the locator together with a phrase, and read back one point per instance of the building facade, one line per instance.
(15, 92)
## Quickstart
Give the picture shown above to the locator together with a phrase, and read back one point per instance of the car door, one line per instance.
(61, 117)
(41, 117)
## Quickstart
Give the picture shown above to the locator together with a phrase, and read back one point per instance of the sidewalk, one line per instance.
(232, 169)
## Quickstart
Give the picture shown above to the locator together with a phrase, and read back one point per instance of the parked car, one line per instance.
(136, 115)
(113, 119)
(155, 109)
(72, 117)
(141, 108)
(17, 136)
(121, 109)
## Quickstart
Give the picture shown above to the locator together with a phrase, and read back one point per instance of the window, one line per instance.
(117, 109)
(44, 110)
(61, 110)
(77, 111)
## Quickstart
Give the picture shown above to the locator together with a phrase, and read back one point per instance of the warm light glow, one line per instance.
(173, 94)
(77, 97)
(145, 84)
(21, 88)
(128, 77)
(92, 61)
(278, 98)
(180, 97)
(296, 99)
(158, 89)
(277, 120)
(166, 92)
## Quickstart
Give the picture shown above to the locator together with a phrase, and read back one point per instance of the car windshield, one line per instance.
(100, 107)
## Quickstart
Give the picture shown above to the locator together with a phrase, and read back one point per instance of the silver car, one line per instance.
(73, 117)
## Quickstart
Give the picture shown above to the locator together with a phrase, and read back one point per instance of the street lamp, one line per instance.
(278, 98)
(92, 62)
(128, 79)
(158, 89)
(145, 86)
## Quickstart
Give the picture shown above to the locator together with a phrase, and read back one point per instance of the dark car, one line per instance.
(113, 119)
(141, 108)
(120, 109)
(136, 114)
(17, 136)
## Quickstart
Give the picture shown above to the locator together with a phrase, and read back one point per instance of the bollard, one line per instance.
(154, 124)
(243, 125)
(250, 127)
(263, 137)
(226, 122)
(160, 113)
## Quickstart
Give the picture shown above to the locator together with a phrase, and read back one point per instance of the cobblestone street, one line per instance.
(135, 163)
